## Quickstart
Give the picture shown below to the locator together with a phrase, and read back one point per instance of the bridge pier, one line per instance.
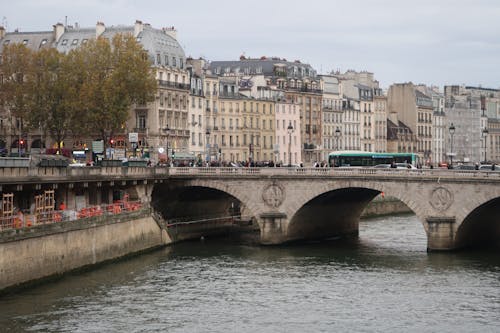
(273, 228)
(441, 233)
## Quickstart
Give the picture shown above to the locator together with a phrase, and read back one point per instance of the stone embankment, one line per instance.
(381, 206)
(30, 254)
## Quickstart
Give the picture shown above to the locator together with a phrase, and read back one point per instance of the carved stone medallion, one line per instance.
(273, 195)
(441, 198)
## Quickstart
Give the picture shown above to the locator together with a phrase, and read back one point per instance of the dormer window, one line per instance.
(43, 42)
(75, 41)
(64, 42)
(84, 41)
(6, 42)
(25, 41)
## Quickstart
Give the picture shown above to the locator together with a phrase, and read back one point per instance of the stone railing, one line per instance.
(331, 172)
(16, 175)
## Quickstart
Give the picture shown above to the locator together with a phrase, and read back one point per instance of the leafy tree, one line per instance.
(54, 97)
(90, 90)
(15, 72)
(117, 75)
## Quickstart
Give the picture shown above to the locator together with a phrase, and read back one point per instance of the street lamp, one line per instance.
(485, 136)
(167, 133)
(207, 140)
(452, 132)
(337, 134)
(289, 129)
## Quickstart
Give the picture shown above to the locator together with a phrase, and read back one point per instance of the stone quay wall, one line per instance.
(43, 251)
(385, 206)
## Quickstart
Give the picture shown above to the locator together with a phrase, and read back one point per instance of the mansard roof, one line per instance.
(265, 66)
(155, 41)
(33, 40)
(393, 130)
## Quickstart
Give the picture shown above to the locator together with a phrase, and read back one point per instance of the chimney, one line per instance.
(59, 30)
(138, 27)
(2, 32)
(99, 29)
(171, 32)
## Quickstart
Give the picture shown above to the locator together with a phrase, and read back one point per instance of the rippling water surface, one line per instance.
(383, 281)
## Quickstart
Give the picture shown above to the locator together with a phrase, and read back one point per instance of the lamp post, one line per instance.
(207, 140)
(289, 129)
(452, 132)
(337, 134)
(485, 136)
(167, 133)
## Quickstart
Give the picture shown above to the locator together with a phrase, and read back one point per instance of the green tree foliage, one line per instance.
(117, 75)
(88, 91)
(54, 91)
(15, 71)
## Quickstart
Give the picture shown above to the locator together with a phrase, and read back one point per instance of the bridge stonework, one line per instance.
(294, 208)
(456, 208)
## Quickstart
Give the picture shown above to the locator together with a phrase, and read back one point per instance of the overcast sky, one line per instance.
(426, 41)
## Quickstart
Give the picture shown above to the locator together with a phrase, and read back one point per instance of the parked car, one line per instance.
(405, 166)
(382, 166)
(489, 167)
(465, 167)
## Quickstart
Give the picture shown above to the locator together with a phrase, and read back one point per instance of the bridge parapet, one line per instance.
(13, 175)
(334, 172)
(57, 174)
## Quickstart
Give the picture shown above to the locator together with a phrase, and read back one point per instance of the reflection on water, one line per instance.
(382, 281)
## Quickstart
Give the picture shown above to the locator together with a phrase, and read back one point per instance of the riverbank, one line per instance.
(382, 206)
(29, 255)
(42, 252)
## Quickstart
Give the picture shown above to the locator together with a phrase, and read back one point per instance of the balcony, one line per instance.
(168, 84)
(305, 89)
(140, 130)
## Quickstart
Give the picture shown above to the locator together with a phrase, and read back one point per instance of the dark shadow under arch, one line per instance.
(334, 213)
(481, 228)
(177, 202)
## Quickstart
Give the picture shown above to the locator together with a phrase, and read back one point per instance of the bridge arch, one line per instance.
(481, 226)
(181, 200)
(334, 208)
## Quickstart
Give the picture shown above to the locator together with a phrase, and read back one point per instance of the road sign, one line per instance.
(133, 137)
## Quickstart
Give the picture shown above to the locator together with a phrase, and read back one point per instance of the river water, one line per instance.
(384, 281)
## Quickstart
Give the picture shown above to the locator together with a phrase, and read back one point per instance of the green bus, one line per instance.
(352, 158)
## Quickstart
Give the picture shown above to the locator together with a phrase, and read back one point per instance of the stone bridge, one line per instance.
(457, 209)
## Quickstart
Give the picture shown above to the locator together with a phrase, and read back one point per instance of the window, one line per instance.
(6, 42)
(25, 42)
(64, 42)
(166, 60)
(141, 121)
(75, 41)
(43, 42)
(174, 61)
(84, 41)
(158, 59)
